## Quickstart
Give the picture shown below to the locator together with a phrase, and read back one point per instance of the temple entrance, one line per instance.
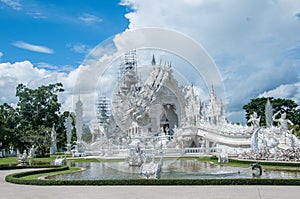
(168, 119)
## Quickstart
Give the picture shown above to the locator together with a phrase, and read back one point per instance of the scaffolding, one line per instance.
(128, 73)
(103, 110)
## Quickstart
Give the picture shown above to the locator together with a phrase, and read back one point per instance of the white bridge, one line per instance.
(167, 152)
(225, 138)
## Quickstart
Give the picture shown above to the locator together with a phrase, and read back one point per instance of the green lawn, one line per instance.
(14, 160)
(269, 165)
(10, 160)
(36, 176)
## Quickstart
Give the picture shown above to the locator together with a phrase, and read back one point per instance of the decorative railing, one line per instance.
(150, 152)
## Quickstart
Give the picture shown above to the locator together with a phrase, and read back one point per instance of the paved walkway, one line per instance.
(13, 191)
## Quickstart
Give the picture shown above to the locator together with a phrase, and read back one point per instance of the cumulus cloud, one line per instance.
(90, 19)
(14, 4)
(32, 47)
(12, 74)
(287, 91)
(46, 66)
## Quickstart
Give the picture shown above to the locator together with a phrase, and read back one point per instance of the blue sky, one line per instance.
(67, 29)
(255, 44)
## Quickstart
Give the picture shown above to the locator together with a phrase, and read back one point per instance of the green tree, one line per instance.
(61, 130)
(38, 111)
(74, 134)
(283, 105)
(86, 134)
(8, 122)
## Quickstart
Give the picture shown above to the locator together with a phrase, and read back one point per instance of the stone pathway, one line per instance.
(13, 191)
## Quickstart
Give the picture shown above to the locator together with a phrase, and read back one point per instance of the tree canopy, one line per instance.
(39, 111)
(8, 120)
(30, 123)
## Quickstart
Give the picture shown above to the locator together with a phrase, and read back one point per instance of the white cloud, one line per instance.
(14, 4)
(1, 54)
(37, 15)
(287, 91)
(79, 48)
(12, 74)
(90, 19)
(46, 66)
(31, 47)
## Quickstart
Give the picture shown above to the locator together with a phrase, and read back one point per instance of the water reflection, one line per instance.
(181, 168)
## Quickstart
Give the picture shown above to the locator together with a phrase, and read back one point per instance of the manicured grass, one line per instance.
(48, 160)
(44, 160)
(14, 160)
(9, 160)
(247, 163)
(36, 176)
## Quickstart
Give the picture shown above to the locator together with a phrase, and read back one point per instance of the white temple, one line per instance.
(159, 114)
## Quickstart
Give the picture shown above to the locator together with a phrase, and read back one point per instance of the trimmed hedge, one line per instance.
(16, 178)
(165, 182)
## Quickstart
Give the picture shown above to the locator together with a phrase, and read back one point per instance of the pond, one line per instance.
(171, 169)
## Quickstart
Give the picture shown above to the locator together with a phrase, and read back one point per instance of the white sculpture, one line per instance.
(222, 157)
(53, 147)
(22, 158)
(135, 158)
(283, 121)
(31, 152)
(151, 169)
(269, 114)
(254, 120)
(59, 160)
(276, 143)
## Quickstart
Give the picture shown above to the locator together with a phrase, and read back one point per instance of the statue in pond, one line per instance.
(59, 160)
(222, 157)
(135, 157)
(257, 170)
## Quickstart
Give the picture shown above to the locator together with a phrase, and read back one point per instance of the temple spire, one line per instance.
(153, 62)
